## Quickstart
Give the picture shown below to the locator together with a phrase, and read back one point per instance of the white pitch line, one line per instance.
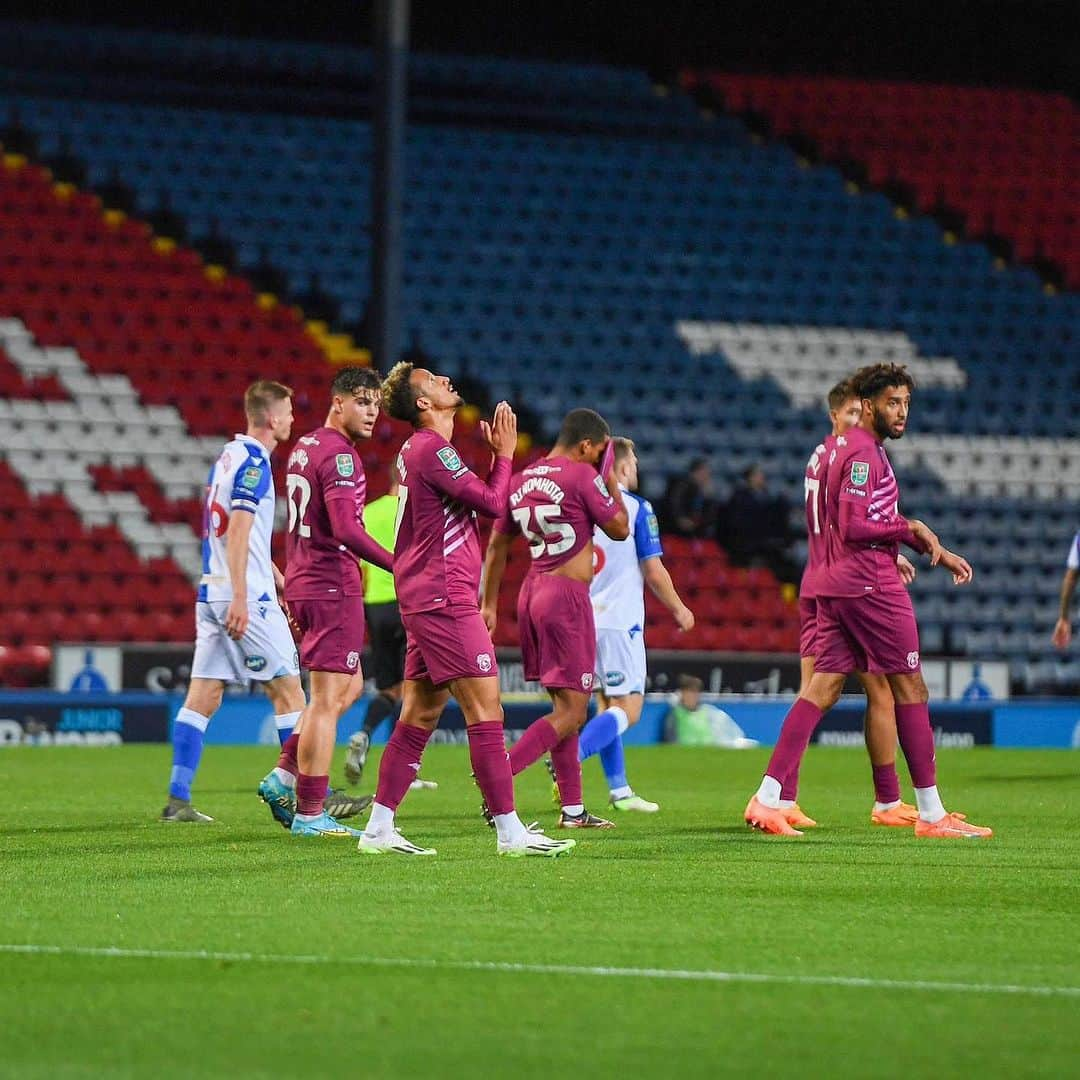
(509, 967)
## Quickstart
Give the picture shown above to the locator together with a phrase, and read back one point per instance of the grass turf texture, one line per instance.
(84, 863)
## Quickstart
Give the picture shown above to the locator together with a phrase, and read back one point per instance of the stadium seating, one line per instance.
(700, 286)
(1006, 159)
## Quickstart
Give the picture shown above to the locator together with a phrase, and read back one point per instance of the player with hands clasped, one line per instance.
(437, 576)
(865, 619)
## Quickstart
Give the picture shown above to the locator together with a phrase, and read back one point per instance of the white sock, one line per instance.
(929, 802)
(190, 716)
(879, 806)
(574, 810)
(509, 827)
(286, 721)
(309, 817)
(621, 718)
(786, 804)
(622, 792)
(381, 820)
(769, 792)
(286, 778)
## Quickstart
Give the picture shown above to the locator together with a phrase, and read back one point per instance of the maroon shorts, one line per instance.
(332, 633)
(875, 633)
(558, 637)
(807, 625)
(448, 643)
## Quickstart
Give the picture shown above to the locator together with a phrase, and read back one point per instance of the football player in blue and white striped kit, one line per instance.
(622, 568)
(241, 632)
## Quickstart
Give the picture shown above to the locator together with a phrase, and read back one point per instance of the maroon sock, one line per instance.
(799, 724)
(491, 765)
(789, 786)
(917, 742)
(400, 763)
(287, 761)
(564, 757)
(310, 793)
(886, 783)
(538, 739)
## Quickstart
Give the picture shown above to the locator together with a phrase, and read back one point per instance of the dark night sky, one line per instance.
(1021, 43)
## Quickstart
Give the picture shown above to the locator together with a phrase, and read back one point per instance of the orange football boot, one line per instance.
(905, 815)
(797, 818)
(768, 819)
(951, 827)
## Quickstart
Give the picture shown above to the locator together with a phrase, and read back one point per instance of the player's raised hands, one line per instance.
(906, 568)
(236, 619)
(957, 565)
(929, 538)
(501, 433)
(1062, 635)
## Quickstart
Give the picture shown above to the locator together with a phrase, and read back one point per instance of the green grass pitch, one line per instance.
(330, 963)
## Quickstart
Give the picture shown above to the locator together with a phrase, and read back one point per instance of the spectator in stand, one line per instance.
(755, 529)
(689, 506)
(692, 722)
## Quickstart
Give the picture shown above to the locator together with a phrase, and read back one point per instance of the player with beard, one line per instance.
(865, 620)
(325, 489)
(437, 576)
(845, 411)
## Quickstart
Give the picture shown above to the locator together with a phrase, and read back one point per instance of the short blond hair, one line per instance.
(624, 447)
(260, 395)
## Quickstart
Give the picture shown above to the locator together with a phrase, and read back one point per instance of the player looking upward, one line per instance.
(622, 570)
(865, 620)
(557, 503)
(1062, 635)
(437, 576)
(241, 633)
(326, 537)
(845, 411)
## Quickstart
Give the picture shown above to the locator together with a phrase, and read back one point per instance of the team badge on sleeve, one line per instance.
(860, 473)
(602, 487)
(450, 459)
(251, 477)
(345, 464)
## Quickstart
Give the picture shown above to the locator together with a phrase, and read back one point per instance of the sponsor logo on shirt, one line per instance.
(860, 473)
(483, 661)
(254, 663)
(251, 477)
(345, 464)
(309, 440)
(614, 678)
(450, 459)
(352, 660)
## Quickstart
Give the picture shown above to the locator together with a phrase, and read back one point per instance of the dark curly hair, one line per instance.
(869, 381)
(351, 380)
(398, 395)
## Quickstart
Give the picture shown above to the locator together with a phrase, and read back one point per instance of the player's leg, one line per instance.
(482, 709)
(837, 655)
(278, 788)
(331, 693)
(880, 731)
(422, 705)
(202, 701)
(886, 626)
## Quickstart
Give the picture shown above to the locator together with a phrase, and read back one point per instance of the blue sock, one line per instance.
(188, 728)
(285, 723)
(614, 764)
(598, 733)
